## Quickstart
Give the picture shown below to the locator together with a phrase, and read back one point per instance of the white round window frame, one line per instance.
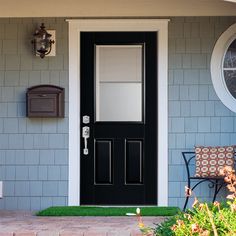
(217, 75)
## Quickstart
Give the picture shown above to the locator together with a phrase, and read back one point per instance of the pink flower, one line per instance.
(188, 216)
(217, 204)
(195, 202)
(233, 207)
(188, 191)
(180, 223)
(205, 233)
(231, 196)
(173, 227)
(195, 228)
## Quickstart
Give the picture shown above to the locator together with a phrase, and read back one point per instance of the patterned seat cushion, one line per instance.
(210, 160)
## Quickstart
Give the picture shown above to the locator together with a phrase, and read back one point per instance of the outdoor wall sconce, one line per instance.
(44, 42)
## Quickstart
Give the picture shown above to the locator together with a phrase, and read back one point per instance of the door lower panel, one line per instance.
(134, 161)
(103, 162)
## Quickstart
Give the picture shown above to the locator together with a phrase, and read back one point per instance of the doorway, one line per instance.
(75, 140)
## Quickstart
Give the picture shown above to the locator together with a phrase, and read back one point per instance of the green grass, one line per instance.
(106, 211)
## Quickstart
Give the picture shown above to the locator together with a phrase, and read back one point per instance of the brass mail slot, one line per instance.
(45, 101)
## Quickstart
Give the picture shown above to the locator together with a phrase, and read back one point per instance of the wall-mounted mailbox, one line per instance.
(45, 101)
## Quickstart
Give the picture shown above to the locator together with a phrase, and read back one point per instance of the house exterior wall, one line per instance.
(196, 115)
(34, 151)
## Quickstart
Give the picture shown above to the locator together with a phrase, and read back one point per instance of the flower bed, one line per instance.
(204, 219)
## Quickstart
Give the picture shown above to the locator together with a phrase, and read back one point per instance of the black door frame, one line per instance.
(77, 26)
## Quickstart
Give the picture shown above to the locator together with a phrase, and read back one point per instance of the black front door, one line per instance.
(119, 118)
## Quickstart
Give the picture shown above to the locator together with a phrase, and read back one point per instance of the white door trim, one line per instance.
(75, 28)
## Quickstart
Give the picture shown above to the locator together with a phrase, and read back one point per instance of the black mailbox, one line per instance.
(45, 101)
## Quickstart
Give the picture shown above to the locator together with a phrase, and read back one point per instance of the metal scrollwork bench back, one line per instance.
(214, 182)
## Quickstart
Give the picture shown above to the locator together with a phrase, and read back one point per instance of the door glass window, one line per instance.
(119, 82)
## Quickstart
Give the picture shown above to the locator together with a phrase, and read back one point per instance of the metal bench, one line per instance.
(214, 182)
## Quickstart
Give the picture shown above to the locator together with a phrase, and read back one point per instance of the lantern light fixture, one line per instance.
(42, 42)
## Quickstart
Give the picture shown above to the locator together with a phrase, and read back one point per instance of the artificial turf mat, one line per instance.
(106, 211)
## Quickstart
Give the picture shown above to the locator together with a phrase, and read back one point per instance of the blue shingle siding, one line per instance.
(34, 152)
(203, 119)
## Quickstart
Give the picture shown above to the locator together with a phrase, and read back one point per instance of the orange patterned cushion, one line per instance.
(210, 160)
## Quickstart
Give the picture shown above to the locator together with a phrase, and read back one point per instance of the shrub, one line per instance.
(204, 219)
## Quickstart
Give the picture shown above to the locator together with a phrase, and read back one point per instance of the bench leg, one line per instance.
(187, 194)
(218, 186)
(186, 202)
(215, 192)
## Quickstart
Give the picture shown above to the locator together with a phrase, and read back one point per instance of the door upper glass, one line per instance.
(119, 82)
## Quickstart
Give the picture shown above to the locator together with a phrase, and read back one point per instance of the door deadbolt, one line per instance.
(86, 119)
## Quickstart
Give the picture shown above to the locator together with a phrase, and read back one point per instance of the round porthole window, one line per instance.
(223, 67)
(229, 68)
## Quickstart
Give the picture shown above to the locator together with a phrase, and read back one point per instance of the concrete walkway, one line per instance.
(19, 223)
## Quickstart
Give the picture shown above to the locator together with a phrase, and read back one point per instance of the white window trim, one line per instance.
(217, 75)
(75, 28)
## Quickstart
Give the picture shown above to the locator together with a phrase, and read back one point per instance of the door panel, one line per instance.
(118, 93)
(103, 162)
(134, 162)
